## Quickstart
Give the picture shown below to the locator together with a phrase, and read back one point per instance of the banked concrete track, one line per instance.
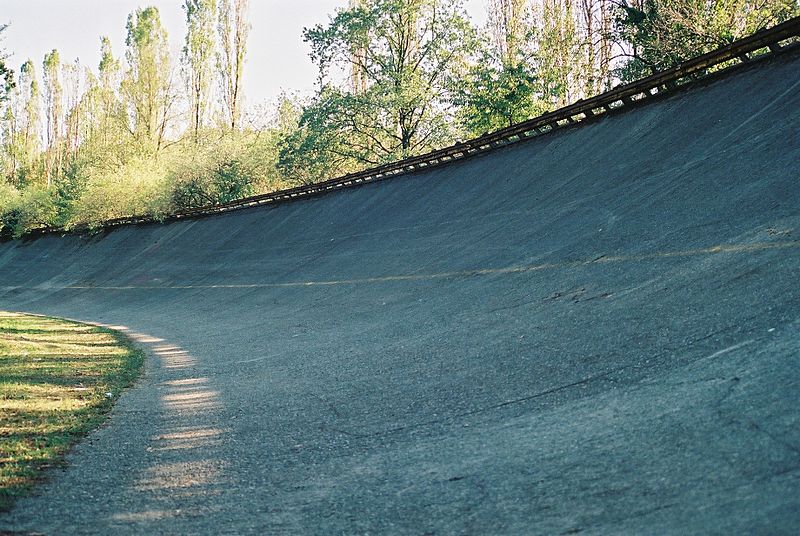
(595, 331)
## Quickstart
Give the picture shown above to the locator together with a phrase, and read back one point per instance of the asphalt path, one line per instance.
(596, 331)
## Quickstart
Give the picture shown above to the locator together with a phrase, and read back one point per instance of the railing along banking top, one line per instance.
(761, 44)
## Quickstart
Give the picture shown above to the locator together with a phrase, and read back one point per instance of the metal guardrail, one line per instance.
(743, 51)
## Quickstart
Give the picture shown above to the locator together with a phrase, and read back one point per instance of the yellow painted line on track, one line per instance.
(600, 259)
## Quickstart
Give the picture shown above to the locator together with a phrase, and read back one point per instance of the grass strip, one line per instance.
(58, 381)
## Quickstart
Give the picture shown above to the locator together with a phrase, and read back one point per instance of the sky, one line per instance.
(277, 57)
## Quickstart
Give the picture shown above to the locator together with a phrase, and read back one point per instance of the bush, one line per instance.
(9, 200)
(226, 181)
(93, 188)
(139, 187)
(69, 187)
(235, 166)
(31, 208)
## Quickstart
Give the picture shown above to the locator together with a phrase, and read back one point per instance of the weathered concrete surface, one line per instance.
(597, 331)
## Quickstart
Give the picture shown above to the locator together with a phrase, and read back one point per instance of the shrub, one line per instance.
(31, 208)
(139, 187)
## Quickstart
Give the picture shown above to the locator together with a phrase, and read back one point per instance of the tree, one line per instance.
(233, 29)
(9, 134)
(319, 147)
(226, 181)
(109, 66)
(502, 87)
(147, 86)
(198, 53)
(74, 116)
(595, 20)
(358, 76)
(509, 23)
(23, 210)
(28, 114)
(53, 93)
(406, 51)
(5, 72)
(657, 34)
(557, 52)
(111, 118)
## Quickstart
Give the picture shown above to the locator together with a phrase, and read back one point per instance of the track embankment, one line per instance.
(595, 330)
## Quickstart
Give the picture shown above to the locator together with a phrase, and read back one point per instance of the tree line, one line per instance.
(148, 134)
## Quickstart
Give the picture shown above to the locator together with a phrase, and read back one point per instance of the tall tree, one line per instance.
(29, 114)
(8, 125)
(233, 30)
(110, 114)
(147, 86)
(502, 86)
(358, 75)
(73, 111)
(53, 93)
(407, 51)
(656, 34)
(594, 23)
(5, 73)
(557, 52)
(198, 53)
(509, 25)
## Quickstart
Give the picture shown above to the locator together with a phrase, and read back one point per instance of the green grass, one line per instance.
(58, 380)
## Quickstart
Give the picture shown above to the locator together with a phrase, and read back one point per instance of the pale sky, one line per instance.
(277, 57)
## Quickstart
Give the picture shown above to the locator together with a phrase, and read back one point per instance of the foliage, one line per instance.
(400, 55)
(226, 182)
(233, 169)
(31, 208)
(138, 187)
(662, 33)
(197, 55)
(69, 188)
(147, 85)
(558, 52)
(233, 30)
(502, 87)
(320, 147)
(495, 97)
(6, 74)
(9, 201)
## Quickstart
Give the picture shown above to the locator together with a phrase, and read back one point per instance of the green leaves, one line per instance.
(227, 181)
(198, 53)
(147, 85)
(662, 33)
(398, 57)
(495, 97)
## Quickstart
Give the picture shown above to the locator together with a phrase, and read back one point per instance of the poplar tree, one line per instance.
(509, 25)
(358, 74)
(30, 120)
(73, 119)
(233, 30)
(8, 125)
(198, 54)
(501, 87)
(53, 94)
(558, 53)
(110, 113)
(595, 25)
(20, 124)
(147, 85)
(5, 73)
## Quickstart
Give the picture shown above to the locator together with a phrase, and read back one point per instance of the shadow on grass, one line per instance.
(52, 393)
